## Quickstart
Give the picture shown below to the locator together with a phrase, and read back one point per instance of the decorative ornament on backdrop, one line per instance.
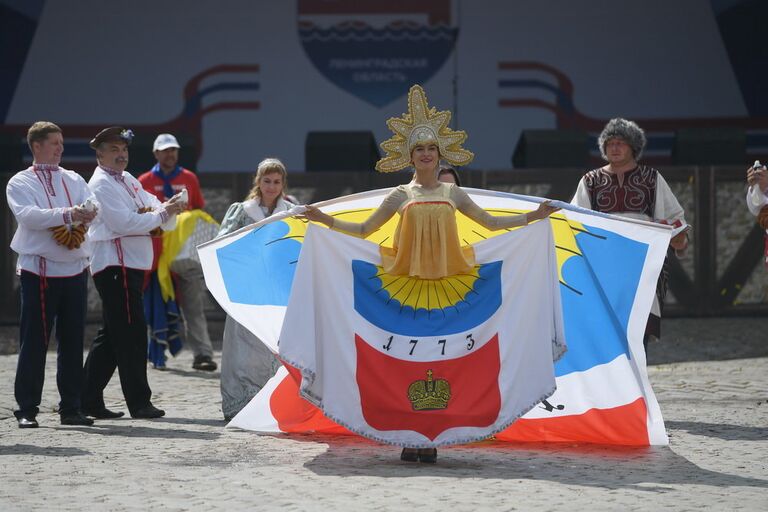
(375, 50)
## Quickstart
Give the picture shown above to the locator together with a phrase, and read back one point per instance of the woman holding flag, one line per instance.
(426, 242)
(246, 363)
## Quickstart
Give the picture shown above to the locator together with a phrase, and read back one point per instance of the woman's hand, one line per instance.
(544, 210)
(314, 214)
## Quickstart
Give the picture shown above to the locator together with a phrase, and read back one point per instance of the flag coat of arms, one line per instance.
(425, 362)
(606, 272)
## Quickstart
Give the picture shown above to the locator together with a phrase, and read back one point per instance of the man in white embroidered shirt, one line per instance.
(52, 208)
(121, 255)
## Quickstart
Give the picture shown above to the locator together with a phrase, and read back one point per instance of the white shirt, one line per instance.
(120, 235)
(258, 212)
(756, 200)
(666, 207)
(42, 199)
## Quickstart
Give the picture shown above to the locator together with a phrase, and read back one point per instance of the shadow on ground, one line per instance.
(116, 429)
(721, 431)
(709, 339)
(46, 451)
(654, 469)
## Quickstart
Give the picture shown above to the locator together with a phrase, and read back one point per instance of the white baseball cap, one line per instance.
(165, 141)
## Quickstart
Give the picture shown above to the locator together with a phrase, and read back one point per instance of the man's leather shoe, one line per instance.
(148, 412)
(103, 413)
(25, 422)
(75, 418)
(204, 363)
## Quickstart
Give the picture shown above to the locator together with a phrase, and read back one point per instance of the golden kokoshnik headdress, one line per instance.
(422, 125)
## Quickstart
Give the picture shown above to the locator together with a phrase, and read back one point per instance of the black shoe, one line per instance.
(409, 455)
(148, 412)
(75, 418)
(204, 363)
(428, 455)
(26, 422)
(103, 413)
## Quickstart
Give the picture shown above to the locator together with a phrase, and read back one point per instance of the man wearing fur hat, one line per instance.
(52, 208)
(121, 255)
(625, 187)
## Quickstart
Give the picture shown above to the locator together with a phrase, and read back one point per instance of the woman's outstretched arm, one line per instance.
(377, 219)
(468, 207)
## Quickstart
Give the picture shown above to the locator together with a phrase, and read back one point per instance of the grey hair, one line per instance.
(628, 131)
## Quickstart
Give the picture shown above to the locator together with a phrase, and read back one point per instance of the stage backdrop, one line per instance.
(245, 79)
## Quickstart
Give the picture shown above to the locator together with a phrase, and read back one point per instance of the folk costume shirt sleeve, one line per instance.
(667, 207)
(168, 221)
(233, 220)
(40, 200)
(581, 197)
(23, 201)
(469, 208)
(120, 217)
(756, 199)
(378, 218)
(246, 213)
(120, 234)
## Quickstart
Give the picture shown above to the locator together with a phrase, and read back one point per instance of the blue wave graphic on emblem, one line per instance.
(378, 65)
(365, 33)
(596, 320)
(258, 268)
(374, 304)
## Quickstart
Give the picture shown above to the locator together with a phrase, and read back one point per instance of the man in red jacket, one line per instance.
(164, 180)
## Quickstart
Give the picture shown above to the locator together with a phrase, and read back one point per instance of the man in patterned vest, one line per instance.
(627, 188)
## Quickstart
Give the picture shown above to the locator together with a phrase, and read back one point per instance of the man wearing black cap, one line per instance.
(121, 255)
(51, 207)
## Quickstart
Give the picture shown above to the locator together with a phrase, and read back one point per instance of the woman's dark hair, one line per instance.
(447, 169)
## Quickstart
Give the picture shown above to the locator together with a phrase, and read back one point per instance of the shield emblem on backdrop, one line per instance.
(376, 50)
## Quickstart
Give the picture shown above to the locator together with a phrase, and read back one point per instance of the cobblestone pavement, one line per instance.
(716, 413)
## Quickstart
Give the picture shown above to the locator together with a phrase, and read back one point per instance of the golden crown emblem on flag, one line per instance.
(429, 395)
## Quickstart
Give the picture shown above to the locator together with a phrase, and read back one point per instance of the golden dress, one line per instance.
(426, 241)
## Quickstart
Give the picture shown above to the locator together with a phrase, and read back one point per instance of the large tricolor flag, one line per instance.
(607, 269)
(425, 362)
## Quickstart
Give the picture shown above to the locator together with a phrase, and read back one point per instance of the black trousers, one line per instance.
(65, 305)
(121, 343)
